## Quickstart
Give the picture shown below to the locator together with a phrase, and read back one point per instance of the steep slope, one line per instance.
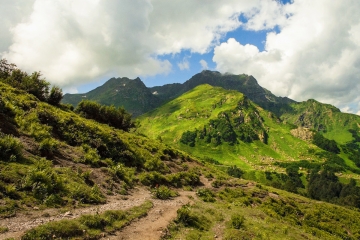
(342, 127)
(224, 127)
(137, 99)
(256, 137)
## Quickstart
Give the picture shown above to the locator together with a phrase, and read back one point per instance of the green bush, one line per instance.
(116, 117)
(124, 173)
(10, 148)
(234, 171)
(206, 195)
(48, 146)
(65, 229)
(55, 96)
(237, 221)
(163, 193)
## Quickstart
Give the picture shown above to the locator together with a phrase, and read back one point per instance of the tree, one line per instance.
(55, 95)
(6, 68)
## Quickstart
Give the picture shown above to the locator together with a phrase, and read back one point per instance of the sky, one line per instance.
(301, 49)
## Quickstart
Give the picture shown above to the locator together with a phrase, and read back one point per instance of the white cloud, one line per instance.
(316, 54)
(184, 64)
(77, 41)
(204, 64)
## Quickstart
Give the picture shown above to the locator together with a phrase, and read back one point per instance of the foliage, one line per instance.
(188, 138)
(87, 226)
(16, 78)
(237, 221)
(326, 186)
(206, 195)
(162, 192)
(116, 117)
(55, 96)
(234, 171)
(10, 148)
(326, 144)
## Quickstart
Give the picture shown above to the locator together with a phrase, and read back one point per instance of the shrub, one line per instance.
(237, 221)
(124, 173)
(116, 117)
(61, 229)
(48, 146)
(163, 193)
(10, 148)
(234, 171)
(55, 96)
(206, 195)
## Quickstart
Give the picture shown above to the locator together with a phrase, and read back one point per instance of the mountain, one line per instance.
(243, 83)
(133, 95)
(226, 128)
(207, 108)
(136, 98)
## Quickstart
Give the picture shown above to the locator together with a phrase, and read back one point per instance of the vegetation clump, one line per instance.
(88, 226)
(116, 117)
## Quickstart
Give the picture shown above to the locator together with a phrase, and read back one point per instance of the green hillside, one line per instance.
(226, 128)
(59, 168)
(195, 110)
(341, 127)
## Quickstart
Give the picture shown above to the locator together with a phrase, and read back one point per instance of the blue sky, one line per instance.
(312, 47)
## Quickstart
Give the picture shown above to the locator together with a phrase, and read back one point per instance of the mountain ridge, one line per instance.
(154, 97)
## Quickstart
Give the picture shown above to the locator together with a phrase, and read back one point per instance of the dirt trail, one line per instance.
(153, 226)
(23, 221)
(150, 227)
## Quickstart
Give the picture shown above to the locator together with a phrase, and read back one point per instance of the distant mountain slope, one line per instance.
(136, 98)
(261, 137)
(342, 127)
(243, 83)
(133, 95)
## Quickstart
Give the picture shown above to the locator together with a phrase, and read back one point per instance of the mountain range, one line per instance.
(136, 98)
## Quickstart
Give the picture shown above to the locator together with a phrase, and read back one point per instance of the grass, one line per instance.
(263, 214)
(88, 226)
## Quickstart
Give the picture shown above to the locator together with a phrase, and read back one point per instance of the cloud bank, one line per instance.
(76, 41)
(315, 53)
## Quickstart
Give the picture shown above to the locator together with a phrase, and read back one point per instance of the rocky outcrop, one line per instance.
(303, 133)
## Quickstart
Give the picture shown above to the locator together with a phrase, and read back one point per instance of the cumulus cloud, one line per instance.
(316, 53)
(76, 41)
(204, 64)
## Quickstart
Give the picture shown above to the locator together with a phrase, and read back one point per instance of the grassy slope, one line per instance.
(264, 218)
(86, 154)
(188, 113)
(323, 117)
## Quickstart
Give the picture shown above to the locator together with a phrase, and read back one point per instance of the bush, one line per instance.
(10, 148)
(61, 229)
(115, 117)
(124, 173)
(237, 221)
(55, 96)
(163, 193)
(48, 146)
(206, 195)
(234, 171)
